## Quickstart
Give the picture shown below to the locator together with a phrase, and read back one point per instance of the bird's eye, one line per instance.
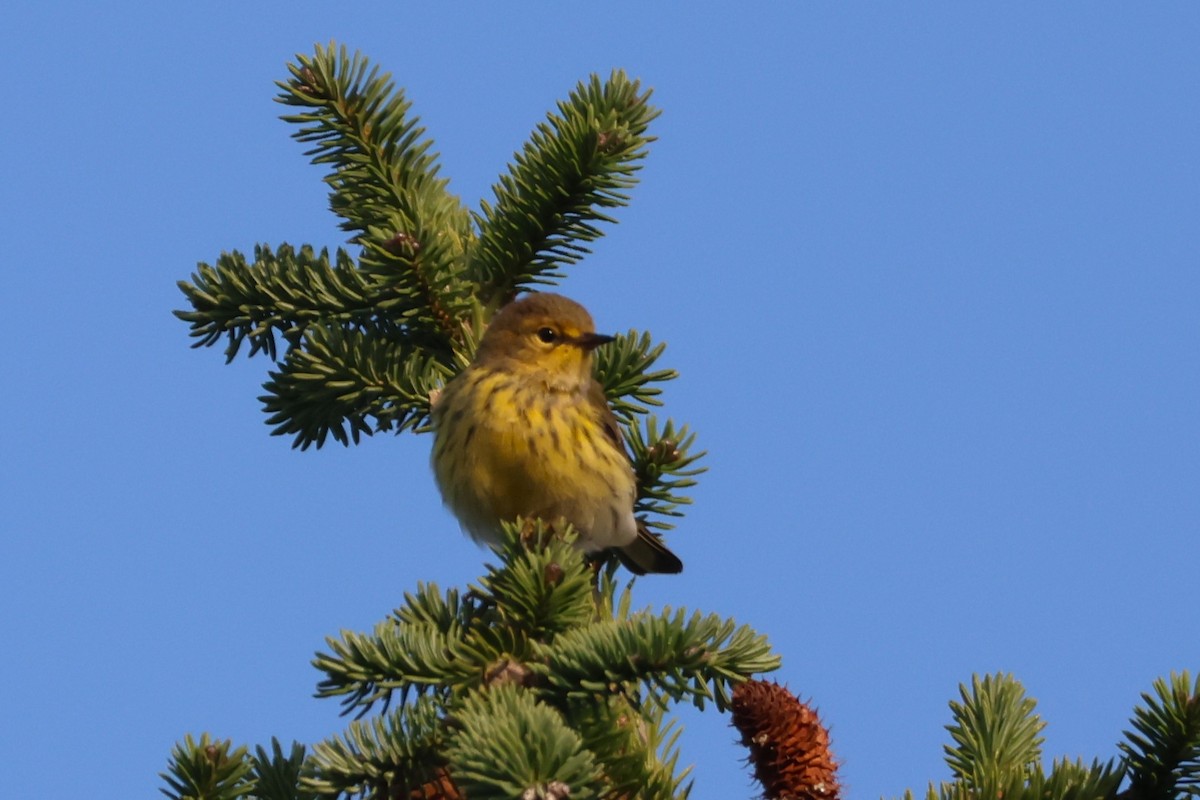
(547, 335)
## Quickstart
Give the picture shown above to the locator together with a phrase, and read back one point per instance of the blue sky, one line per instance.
(930, 274)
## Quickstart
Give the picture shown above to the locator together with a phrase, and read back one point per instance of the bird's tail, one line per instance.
(648, 554)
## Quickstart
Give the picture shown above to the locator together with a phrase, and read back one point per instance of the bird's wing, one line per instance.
(608, 420)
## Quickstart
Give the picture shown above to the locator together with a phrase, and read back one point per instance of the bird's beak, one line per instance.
(590, 341)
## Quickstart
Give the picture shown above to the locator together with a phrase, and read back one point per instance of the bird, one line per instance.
(526, 430)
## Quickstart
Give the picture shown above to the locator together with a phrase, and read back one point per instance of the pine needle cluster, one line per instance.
(996, 748)
(541, 680)
(362, 341)
(362, 338)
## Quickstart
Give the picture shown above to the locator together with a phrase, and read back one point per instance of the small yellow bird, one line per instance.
(525, 430)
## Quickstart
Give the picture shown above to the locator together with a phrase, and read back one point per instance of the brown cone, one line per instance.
(440, 788)
(789, 747)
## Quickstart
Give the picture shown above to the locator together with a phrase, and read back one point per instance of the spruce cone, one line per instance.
(440, 788)
(789, 747)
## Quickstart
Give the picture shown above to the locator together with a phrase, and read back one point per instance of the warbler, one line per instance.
(525, 430)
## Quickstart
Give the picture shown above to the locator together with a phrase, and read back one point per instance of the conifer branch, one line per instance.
(350, 383)
(623, 368)
(424, 282)
(605, 681)
(997, 750)
(428, 605)
(277, 775)
(698, 657)
(663, 462)
(281, 292)
(1075, 780)
(664, 465)
(208, 768)
(581, 160)
(365, 668)
(542, 585)
(384, 757)
(1067, 780)
(638, 748)
(384, 183)
(506, 744)
(1163, 749)
(996, 734)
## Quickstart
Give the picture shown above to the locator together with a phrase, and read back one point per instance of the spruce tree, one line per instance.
(542, 679)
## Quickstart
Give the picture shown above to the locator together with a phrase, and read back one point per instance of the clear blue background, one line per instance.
(929, 273)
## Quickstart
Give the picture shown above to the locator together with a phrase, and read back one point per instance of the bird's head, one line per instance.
(543, 334)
